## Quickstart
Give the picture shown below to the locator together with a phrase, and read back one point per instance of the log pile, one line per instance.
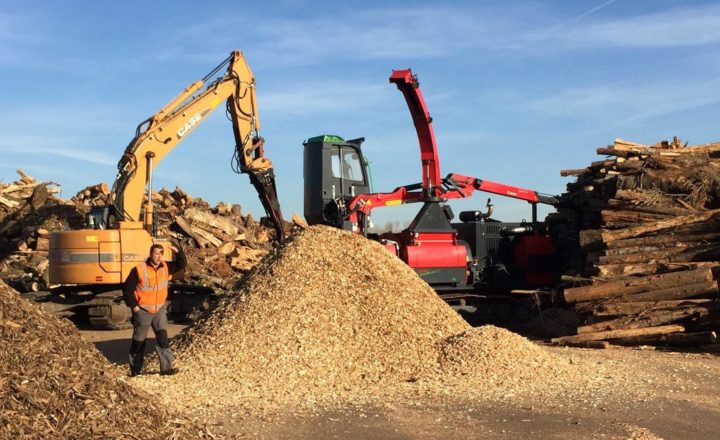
(29, 212)
(647, 230)
(221, 242)
(93, 195)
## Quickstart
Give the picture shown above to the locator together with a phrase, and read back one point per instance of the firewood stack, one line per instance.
(647, 222)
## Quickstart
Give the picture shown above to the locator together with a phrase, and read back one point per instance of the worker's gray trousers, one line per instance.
(142, 321)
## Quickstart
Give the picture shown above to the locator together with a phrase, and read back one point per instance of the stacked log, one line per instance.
(221, 243)
(93, 195)
(646, 223)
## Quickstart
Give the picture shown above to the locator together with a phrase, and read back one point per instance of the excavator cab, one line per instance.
(334, 171)
(98, 218)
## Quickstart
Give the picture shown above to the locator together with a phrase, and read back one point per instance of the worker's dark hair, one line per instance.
(157, 246)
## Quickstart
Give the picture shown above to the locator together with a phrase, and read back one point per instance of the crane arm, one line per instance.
(432, 187)
(454, 186)
(163, 131)
(459, 186)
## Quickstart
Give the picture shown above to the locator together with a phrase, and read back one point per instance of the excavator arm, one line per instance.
(162, 132)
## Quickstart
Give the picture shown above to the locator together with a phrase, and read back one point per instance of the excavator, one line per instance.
(89, 265)
(474, 259)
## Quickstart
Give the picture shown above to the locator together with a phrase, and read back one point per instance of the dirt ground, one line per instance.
(681, 402)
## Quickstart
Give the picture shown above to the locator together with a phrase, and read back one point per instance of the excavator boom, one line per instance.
(98, 259)
(162, 132)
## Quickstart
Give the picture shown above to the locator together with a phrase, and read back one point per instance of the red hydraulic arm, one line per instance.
(408, 84)
(454, 186)
(433, 187)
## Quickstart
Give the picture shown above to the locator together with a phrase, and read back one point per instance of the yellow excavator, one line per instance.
(89, 265)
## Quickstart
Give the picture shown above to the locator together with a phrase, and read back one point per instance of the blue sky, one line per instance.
(517, 90)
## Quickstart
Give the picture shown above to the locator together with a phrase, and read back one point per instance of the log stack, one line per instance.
(221, 242)
(642, 228)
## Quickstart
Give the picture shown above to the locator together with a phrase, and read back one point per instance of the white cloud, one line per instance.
(18, 28)
(22, 36)
(399, 34)
(423, 32)
(445, 31)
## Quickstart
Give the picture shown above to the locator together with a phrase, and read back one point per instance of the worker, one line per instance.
(145, 292)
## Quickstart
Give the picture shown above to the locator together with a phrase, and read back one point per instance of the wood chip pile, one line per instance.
(54, 384)
(647, 234)
(492, 353)
(494, 364)
(221, 243)
(327, 316)
(332, 318)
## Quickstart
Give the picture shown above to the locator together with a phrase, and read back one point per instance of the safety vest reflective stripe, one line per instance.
(161, 273)
(146, 279)
(146, 287)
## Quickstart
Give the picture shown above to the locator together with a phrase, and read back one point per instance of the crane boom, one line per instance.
(98, 259)
(408, 84)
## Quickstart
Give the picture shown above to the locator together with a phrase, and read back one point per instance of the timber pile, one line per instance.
(94, 195)
(332, 318)
(649, 234)
(221, 243)
(54, 384)
(29, 212)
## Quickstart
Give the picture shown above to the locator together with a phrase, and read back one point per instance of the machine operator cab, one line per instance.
(334, 172)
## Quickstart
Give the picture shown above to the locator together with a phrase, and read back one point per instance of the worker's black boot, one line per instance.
(137, 353)
(170, 372)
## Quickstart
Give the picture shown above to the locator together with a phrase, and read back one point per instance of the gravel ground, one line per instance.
(364, 349)
(679, 400)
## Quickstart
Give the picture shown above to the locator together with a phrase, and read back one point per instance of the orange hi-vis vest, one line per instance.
(152, 288)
